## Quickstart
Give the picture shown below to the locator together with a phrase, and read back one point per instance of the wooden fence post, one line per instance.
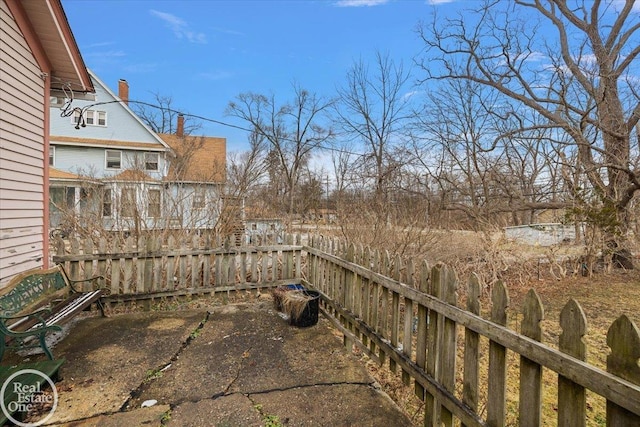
(496, 405)
(472, 348)
(434, 342)
(102, 266)
(530, 400)
(572, 400)
(128, 267)
(87, 268)
(447, 359)
(170, 263)
(395, 310)
(407, 335)
(421, 332)
(116, 265)
(623, 339)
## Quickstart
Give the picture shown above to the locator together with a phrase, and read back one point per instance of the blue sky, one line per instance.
(202, 53)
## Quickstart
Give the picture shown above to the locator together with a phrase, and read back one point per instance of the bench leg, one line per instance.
(3, 345)
(101, 307)
(43, 344)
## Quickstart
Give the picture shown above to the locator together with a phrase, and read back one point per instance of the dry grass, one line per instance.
(294, 303)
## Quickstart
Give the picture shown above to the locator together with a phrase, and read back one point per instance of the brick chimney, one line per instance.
(180, 127)
(123, 91)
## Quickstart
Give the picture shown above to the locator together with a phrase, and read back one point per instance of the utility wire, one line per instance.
(67, 111)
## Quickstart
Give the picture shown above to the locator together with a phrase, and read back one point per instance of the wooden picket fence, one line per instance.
(456, 360)
(403, 314)
(153, 268)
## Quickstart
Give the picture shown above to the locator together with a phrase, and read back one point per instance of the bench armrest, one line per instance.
(38, 327)
(72, 282)
(37, 314)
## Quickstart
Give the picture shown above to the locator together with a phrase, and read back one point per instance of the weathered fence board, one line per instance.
(438, 319)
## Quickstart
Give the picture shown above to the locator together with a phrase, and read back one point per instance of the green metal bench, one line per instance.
(38, 302)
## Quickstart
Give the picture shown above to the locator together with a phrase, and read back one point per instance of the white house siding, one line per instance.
(21, 152)
(178, 205)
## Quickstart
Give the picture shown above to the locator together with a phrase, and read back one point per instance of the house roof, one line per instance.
(197, 158)
(124, 104)
(104, 143)
(47, 31)
(132, 175)
(58, 174)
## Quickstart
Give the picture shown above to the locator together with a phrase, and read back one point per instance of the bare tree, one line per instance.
(162, 117)
(245, 170)
(293, 130)
(575, 72)
(372, 110)
(491, 185)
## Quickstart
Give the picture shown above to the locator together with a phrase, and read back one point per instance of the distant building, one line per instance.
(546, 234)
(260, 230)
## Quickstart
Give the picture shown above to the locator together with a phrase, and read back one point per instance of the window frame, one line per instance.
(52, 155)
(101, 116)
(148, 162)
(154, 207)
(107, 200)
(199, 200)
(106, 159)
(128, 204)
(91, 118)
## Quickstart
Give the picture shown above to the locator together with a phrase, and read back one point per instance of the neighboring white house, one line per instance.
(113, 171)
(39, 57)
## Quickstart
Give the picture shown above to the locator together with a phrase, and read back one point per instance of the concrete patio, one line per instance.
(240, 364)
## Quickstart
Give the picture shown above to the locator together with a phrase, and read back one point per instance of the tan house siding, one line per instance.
(22, 130)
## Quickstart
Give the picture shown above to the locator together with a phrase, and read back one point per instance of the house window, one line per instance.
(91, 118)
(52, 155)
(151, 161)
(56, 199)
(199, 200)
(153, 209)
(107, 202)
(101, 118)
(76, 119)
(56, 101)
(114, 159)
(128, 202)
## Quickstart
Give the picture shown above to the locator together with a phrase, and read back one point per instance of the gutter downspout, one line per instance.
(45, 184)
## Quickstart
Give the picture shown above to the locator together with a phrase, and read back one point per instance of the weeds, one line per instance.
(153, 374)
